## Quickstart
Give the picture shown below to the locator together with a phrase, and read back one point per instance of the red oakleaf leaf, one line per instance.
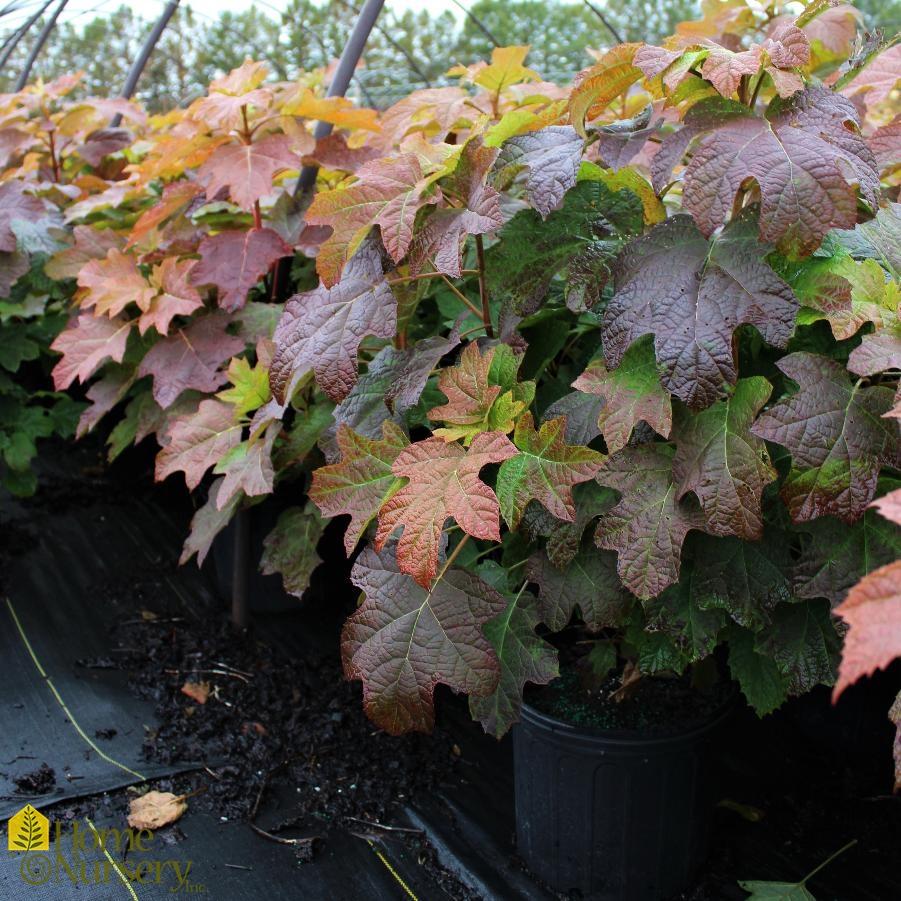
(195, 442)
(872, 611)
(322, 329)
(440, 238)
(191, 358)
(632, 392)
(837, 436)
(551, 159)
(362, 481)
(176, 298)
(648, 525)
(724, 69)
(444, 482)
(85, 345)
(234, 261)
(405, 640)
(246, 171)
(878, 79)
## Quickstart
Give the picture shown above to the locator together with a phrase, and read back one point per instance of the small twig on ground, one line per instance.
(386, 828)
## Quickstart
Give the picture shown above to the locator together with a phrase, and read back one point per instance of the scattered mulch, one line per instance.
(37, 782)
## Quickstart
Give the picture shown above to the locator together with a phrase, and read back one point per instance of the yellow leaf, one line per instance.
(597, 86)
(337, 110)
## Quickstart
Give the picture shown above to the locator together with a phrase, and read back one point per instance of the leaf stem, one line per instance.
(449, 562)
(462, 297)
(828, 860)
(483, 287)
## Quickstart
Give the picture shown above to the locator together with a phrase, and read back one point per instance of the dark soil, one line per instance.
(658, 706)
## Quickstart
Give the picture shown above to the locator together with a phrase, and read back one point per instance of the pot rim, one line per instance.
(629, 737)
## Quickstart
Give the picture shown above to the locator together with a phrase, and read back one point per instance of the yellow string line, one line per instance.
(62, 703)
(109, 857)
(391, 870)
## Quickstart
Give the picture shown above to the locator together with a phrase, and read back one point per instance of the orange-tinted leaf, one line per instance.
(155, 810)
(724, 69)
(175, 198)
(111, 284)
(872, 611)
(197, 691)
(877, 80)
(890, 506)
(177, 296)
(338, 110)
(444, 482)
(387, 193)
(227, 111)
(597, 86)
(90, 244)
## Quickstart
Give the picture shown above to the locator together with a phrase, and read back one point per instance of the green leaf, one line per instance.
(531, 252)
(723, 463)
(546, 469)
(761, 682)
(835, 556)
(803, 643)
(523, 657)
(632, 393)
(290, 548)
(747, 579)
(676, 613)
(250, 386)
(589, 582)
(776, 891)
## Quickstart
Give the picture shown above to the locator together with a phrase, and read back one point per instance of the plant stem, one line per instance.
(828, 860)
(463, 297)
(413, 278)
(753, 101)
(483, 287)
(257, 215)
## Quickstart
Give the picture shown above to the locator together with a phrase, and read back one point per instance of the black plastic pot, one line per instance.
(615, 816)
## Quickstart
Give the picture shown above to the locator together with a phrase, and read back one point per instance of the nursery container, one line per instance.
(615, 816)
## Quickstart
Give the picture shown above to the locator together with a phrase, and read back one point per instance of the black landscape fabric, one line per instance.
(63, 707)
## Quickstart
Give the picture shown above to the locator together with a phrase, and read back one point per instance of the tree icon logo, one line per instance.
(29, 830)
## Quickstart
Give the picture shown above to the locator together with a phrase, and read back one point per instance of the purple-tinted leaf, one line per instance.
(836, 435)
(691, 295)
(322, 329)
(404, 640)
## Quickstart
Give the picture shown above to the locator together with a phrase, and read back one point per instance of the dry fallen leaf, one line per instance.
(155, 810)
(197, 691)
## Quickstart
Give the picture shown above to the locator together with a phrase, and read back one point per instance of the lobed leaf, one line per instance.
(404, 640)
